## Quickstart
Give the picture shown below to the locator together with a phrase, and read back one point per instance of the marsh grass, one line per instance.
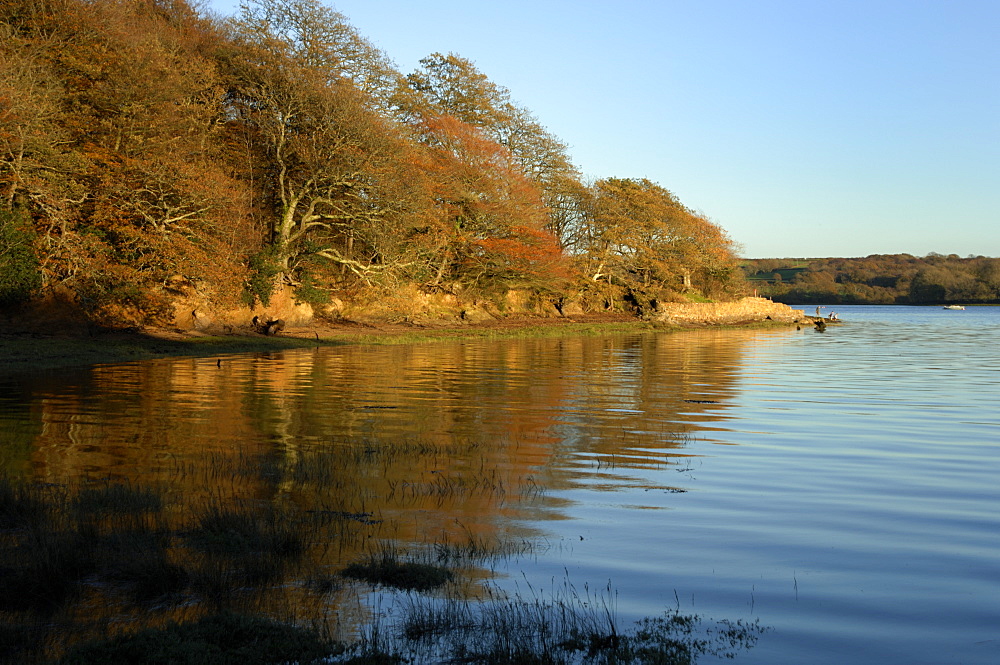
(118, 498)
(21, 505)
(388, 568)
(240, 549)
(242, 530)
(481, 549)
(560, 629)
(219, 639)
(551, 328)
(32, 354)
(149, 572)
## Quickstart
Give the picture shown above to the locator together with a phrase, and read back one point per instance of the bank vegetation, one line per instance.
(155, 157)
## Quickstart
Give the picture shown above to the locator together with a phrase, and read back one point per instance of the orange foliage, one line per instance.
(491, 213)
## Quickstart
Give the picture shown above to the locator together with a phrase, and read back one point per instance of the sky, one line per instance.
(804, 128)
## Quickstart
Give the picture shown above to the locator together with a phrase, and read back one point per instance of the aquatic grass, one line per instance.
(498, 331)
(219, 639)
(245, 528)
(116, 498)
(449, 485)
(151, 575)
(146, 556)
(241, 547)
(562, 629)
(107, 532)
(478, 548)
(481, 548)
(22, 642)
(32, 354)
(240, 557)
(44, 568)
(22, 505)
(386, 567)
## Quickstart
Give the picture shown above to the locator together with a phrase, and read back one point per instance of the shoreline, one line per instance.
(30, 352)
(22, 352)
(33, 351)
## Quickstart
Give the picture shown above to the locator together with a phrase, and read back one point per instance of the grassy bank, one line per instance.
(30, 353)
(24, 353)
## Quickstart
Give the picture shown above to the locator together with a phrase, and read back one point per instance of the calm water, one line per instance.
(841, 487)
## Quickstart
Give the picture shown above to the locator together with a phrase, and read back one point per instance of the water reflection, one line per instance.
(441, 448)
(514, 416)
(531, 406)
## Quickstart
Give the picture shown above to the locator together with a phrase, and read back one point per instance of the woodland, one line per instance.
(879, 279)
(148, 143)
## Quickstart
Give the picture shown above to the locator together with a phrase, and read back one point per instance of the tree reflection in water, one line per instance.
(275, 472)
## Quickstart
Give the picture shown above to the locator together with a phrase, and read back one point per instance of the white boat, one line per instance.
(954, 307)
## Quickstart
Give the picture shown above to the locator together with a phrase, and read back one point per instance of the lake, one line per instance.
(841, 487)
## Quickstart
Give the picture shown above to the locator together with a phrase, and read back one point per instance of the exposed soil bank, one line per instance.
(39, 350)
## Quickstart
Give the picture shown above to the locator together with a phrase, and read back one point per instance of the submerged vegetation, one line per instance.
(118, 570)
(153, 154)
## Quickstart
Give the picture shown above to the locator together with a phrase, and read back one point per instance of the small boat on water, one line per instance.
(954, 307)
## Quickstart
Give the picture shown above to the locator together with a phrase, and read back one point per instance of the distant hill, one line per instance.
(879, 279)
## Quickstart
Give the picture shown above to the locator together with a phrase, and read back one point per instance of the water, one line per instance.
(840, 487)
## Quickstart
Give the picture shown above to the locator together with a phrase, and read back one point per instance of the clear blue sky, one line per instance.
(804, 128)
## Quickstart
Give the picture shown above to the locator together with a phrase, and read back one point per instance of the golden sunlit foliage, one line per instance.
(142, 142)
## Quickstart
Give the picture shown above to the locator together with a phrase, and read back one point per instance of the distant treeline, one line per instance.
(143, 141)
(878, 279)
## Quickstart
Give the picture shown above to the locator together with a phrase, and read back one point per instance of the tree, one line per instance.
(449, 85)
(313, 36)
(639, 234)
(491, 216)
(20, 277)
(112, 149)
(339, 179)
(39, 173)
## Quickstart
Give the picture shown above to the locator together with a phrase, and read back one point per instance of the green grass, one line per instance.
(557, 328)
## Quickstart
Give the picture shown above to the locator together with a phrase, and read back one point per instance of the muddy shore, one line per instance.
(52, 349)
(47, 350)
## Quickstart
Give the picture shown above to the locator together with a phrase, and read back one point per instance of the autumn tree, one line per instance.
(40, 174)
(341, 185)
(491, 217)
(640, 235)
(450, 85)
(313, 36)
(20, 277)
(113, 150)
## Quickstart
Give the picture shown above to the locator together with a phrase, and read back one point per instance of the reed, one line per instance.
(167, 571)
(388, 568)
(219, 639)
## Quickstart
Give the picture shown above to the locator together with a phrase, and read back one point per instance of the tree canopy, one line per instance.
(879, 279)
(142, 141)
